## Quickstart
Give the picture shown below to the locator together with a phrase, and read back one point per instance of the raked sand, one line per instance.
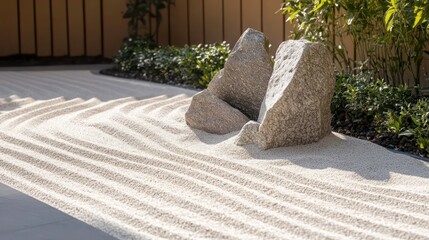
(118, 155)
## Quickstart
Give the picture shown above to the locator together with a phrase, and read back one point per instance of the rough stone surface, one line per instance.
(244, 80)
(296, 107)
(248, 133)
(211, 114)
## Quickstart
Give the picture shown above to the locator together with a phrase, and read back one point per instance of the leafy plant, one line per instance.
(313, 20)
(411, 121)
(209, 59)
(389, 115)
(407, 24)
(395, 123)
(360, 96)
(388, 36)
(191, 65)
(141, 12)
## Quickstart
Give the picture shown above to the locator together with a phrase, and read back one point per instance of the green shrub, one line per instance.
(411, 121)
(388, 36)
(191, 65)
(210, 59)
(363, 98)
(365, 106)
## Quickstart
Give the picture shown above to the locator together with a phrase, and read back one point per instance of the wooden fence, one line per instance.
(96, 27)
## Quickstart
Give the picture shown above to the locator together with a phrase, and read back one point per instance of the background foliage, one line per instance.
(389, 35)
(374, 110)
(192, 65)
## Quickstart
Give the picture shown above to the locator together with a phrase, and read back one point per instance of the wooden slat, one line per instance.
(272, 24)
(59, 27)
(232, 21)
(115, 27)
(93, 27)
(76, 28)
(9, 28)
(424, 74)
(43, 28)
(179, 24)
(196, 21)
(163, 28)
(288, 29)
(252, 14)
(145, 30)
(27, 29)
(213, 21)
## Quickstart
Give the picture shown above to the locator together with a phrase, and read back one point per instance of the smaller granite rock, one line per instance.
(211, 114)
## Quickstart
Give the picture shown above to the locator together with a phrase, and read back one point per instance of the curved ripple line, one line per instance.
(102, 107)
(116, 176)
(147, 108)
(37, 120)
(132, 125)
(166, 145)
(143, 168)
(45, 183)
(135, 203)
(41, 111)
(132, 106)
(15, 103)
(116, 133)
(34, 106)
(157, 164)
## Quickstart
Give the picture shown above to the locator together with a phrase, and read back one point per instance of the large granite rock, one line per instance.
(211, 114)
(244, 80)
(296, 107)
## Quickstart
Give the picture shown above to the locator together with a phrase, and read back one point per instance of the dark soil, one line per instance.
(365, 130)
(131, 75)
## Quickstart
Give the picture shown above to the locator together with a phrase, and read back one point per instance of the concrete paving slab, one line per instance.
(23, 217)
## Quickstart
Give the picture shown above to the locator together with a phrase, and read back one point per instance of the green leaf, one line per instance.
(422, 142)
(350, 21)
(418, 18)
(319, 6)
(397, 126)
(406, 133)
(293, 15)
(394, 3)
(388, 18)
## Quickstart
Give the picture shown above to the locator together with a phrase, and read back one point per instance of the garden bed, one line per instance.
(362, 107)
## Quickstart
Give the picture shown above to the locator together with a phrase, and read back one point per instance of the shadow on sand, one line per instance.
(338, 151)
